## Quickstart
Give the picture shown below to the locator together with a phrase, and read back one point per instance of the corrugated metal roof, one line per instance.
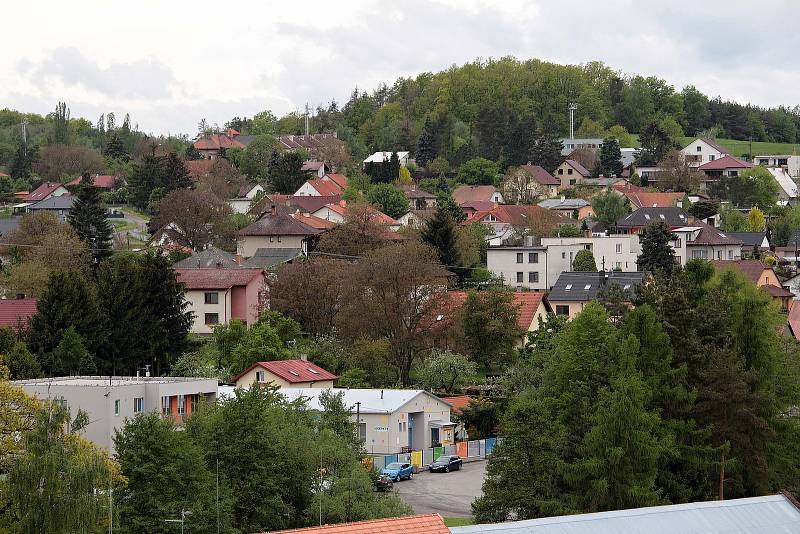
(372, 400)
(773, 514)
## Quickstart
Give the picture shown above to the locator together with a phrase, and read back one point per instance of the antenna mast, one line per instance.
(572, 107)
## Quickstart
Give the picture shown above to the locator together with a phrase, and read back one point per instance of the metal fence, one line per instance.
(466, 449)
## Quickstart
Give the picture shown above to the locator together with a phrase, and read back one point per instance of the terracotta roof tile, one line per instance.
(101, 181)
(472, 193)
(725, 162)
(794, 321)
(527, 302)
(293, 371)
(414, 524)
(216, 278)
(339, 179)
(325, 187)
(578, 167)
(16, 312)
(648, 199)
(43, 191)
(459, 402)
(750, 269)
(540, 174)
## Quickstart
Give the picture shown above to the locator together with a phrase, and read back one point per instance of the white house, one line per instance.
(701, 151)
(244, 198)
(380, 157)
(790, 164)
(285, 373)
(328, 185)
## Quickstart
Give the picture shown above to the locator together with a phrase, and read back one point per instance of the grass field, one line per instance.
(737, 148)
(458, 521)
(119, 226)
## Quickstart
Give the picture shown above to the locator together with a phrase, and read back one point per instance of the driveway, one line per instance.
(449, 494)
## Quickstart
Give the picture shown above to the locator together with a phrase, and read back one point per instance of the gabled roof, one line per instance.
(785, 182)
(725, 162)
(310, 141)
(292, 371)
(311, 166)
(749, 239)
(413, 192)
(383, 401)
(709, 235)
(750, 269)
(472, 193)
(216, 278)
(317, 223)
(245, 189)
(526, 302)
(564, 204)
(339, 179)
(458, 402)
(102, 181)
(584, 286)
(377, 215)
(578, 167)
(674, 217)
(306, 203)
(325, 187)
(61, 202)
(514, 214)
(266, 258)
(776, 292)
(713, 144)
(43, 191)
(650, 199)
(210, 257)
(540, 174)
(412, 524)
(217, 141)
(16, 313)
(776, 514)
(282, 223)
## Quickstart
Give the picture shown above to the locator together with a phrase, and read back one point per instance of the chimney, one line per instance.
(219, 265)
(381, 394)
(20, 296)
(563, 198)
(237, 258)
(273, 210)
(304, 356)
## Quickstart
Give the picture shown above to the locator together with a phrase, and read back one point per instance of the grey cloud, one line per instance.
(144, 78)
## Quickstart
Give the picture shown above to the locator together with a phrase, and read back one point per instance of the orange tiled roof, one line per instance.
(412, 524)
(647, 199)
(325, 187)
(459, 402)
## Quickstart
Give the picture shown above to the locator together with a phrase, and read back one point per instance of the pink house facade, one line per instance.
(216, 295)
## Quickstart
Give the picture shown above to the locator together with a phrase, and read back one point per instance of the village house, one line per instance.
(243, 200)
(573, 290)
(574, 208)
(418, 198)
(724, 166)
(571, 173)
(211, 145)
(330, 184)
(528, 183)
(790, 164)
(416, 218)
(477, 193)
(100, 181)
(409, 524)
(787, 186)
(210, 257)
(504, 219)
(109, 401)
(702, 151)
(16, 313)
(382, 157)
(284, 374)
(762, 276)
(217, 295)
(316, 167)
(751, 241)
(337, 213)
(636, 221)
(703, 241)
(281, 228)
(57, 205)
(43, 192)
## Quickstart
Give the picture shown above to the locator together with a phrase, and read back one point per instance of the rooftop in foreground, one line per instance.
(104, 381)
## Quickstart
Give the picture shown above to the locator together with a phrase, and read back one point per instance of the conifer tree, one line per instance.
(426, 151)
(88, 218)
(657, 254)
(610, 161)
(441, 233)
(546, 151)
(70, 357)
(115, 148)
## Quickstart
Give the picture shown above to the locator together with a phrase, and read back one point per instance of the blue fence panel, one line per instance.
(490, 443)
(390, 458)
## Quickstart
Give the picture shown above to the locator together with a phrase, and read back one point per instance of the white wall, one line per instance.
(198, 307)
(502, 261)
(698, 152)
(246, 246)
(306, 191)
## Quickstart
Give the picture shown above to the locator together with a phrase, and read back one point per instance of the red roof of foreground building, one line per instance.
(216, 278)
(102, 181)
(540, 174)
(16, 313)
(217, 141)
(412, 524)
(794, 321)
(526, 302)
(725, 162)
(293, 371)
(43, 191)
(473, 193)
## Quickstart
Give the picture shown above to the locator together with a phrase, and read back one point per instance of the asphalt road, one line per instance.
(449, 494)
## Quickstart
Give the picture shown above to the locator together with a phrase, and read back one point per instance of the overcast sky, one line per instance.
(171, 63)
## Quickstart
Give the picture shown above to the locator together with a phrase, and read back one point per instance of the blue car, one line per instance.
(397, 471)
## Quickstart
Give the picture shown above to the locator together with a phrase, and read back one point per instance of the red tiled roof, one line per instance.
(339, 179)
(293, 371)
(750, 269)
(516, 214)
(540, 174)
(103, 181)
(578, 167)
(794, 321)
(458, 402)
(311, 166)
(725, 162)
(413, 524)
(527, 302)
(43, 191)
(341, 208)
(214, 278)
(312, 221)
(325, 187)
(473, 193)
(217, 141)
(648, 199)
(776, 291)
(16, 313)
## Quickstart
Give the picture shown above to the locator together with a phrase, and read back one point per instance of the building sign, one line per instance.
(381, 429)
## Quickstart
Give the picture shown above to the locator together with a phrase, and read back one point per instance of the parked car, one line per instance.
(446, 463)
(397, 471)
(383, 483)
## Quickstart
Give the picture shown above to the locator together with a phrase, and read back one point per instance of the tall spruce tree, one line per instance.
(115, 148)
(176, 173)
(88, 218)
(426, 150)
(441, 233)
(610, 161)
(657, 254)
(22, 163)
(546, 151)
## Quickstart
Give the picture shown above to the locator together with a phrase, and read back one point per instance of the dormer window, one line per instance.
(310, 370)
(568, 287)
(295, 373)
(587, 287)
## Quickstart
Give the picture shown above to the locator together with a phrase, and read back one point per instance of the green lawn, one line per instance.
(119, 226)
(134, 211)
(737, 148)
(458, 521)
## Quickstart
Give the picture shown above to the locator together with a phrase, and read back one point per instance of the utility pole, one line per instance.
(182, 520)
(358, 421)
(572, 107)
(306, 119)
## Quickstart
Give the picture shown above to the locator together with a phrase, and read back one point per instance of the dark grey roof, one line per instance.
(63, 202)
(584, 286)
(565, 204)
(9, 224)
(210, 257)
(675, 217)
(245, 139)
(775, 514)
(266, 258)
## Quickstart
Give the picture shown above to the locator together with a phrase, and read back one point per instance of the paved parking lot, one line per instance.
(449, 494)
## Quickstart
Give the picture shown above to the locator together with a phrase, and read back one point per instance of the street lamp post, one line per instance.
(182, 520)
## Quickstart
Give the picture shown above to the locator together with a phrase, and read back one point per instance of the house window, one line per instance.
(116, 407)
(711, 157)
(730, 254)
(362, 431)
(719, 254)
(533, 277)
(259, 376)
(563, 255)
(700, 253)
(533, 257)
(399, 426)
(619, 248)
(212, 297)
(618, 266)
(572, 181)
(678, 243)
(520, 277)
(212, 318)
(181, 405)
(699, 148)
(519, 257)
(279, 239)
(569, 172)
(560, 172)
(562, 309)
(166, 406)
(138, 405)
(193, 399)
(270, 239)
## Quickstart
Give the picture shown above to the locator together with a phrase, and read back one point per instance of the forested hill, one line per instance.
(483, 107)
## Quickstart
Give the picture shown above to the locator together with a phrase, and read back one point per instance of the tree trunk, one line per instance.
(722, 479)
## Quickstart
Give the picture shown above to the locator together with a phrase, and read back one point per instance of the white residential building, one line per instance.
(791, 164)
(380, 157)
(701, 151)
